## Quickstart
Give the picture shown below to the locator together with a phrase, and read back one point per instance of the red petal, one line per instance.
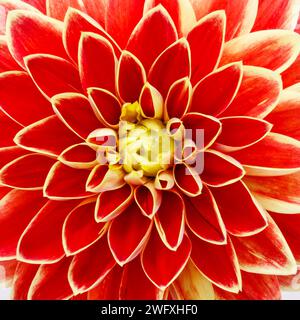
(234, 199)
(258, 94)
(131, 77)
(58, 8)
(77, 113)
(292, 74)
(217, 262)
(206, 41)
(161, 265)
(42, 137)
(29, 32)
(39, 4)
(95, 72)
(283, 156)
(90, 267)
(227, 79)
(154, 33)
(266, 252)
(51, 282)
(9, 128)
(121, 17)
(106, 105)
(151, 102)
(220, 170)
(126, 243)
(41, 242)
(66, 183)
(164, 71)
(80, 229)
(26, 172)
(7, 62)
(170, 219)
(204, 219)
(28, 105)
(9, 154)
(272, 49)
(53, 75)
(12, 224)
(96, 9)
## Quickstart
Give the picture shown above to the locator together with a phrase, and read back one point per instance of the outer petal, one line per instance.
(90, 267)
(283, 156)
(204, 219)
(277, 194)
(9, 128)
(41, 242)
(206, 41)
(42, 137)
(209, 257)
(227, 79)
(272, 49)
(266, 252)
(292, 74)
(152, 35)
(161, 265)
(12, 223)
(28, 105)
(39, 4)
(9, 154)
(241, 213)
(51, 282)
(29, 32)
(127, 243)
(26, 172)
(58, 8)
(7, 62)
(80, 230)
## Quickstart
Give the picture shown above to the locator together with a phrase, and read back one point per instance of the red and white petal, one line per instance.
(151, 102)
(241, 213)
(12, 223)
(271, 49)
(79, 156)
(96, 9)
(278, 194)
(9, 128)
(127, 243)
(104, 178)
(58, 8)
(227, 79)
(63, 183)
(283, 156)
(131, 77)
(95, 72)
(9, 154)
(106, 105)
(90, 267)
(106, 209)
(258, 93)
(77, 22)
(220, 170)
(148, 199)
(170, 219)
(28, 105)
(266, 252)
(41, 242)
(202, 124)
(42, 136)
(192, 285)
(178, 99)
(164, 180)
(80, 229)
(282, 14)
(39, 4)
(209, 257)
(76, 112)
(204, 219)
(284, 118)
(152, 35)
(51, 282)
(29, 33)
(290, 283)
(250, 131)
(52, 75)
(27, 172)
(164, 71)
(24, 275)
(162, 265)
(7, 62)
(291, 76)
(187, 179)
(103, 138)
(206, 41)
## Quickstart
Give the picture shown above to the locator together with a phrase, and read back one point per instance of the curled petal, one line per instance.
(105, 138)
(136, 178)
(151, 102)
(164, 180)
(127, 243)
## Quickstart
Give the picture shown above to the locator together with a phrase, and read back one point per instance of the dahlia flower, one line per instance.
(149, 149)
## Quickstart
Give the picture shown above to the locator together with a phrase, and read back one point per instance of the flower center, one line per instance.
(144, 144)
